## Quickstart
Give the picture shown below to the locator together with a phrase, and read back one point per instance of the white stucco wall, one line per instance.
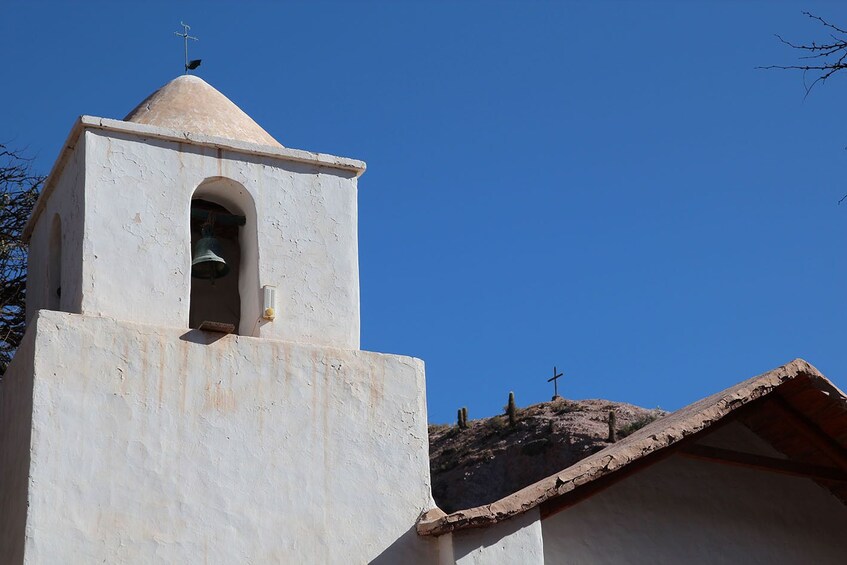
(67, 199)
(15, 420)
(134, 261)
(514, 541)
(686, 511)
(154, 445)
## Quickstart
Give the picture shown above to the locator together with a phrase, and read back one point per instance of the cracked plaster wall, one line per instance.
(166, 445)
(133, 262)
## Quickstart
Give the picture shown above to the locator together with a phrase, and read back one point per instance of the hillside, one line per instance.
(490, 459)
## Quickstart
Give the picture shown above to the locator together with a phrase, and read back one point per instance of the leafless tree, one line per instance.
(822, 59)
(18, 191)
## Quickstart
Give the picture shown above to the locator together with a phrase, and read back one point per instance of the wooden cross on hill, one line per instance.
(555, 380)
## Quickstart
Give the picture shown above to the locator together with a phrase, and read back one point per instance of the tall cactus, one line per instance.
(612, 425)
(511, 411)
(462, 418)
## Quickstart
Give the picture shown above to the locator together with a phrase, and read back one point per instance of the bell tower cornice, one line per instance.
(353, 167)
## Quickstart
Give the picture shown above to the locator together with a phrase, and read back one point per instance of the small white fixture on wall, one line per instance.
(268, 302)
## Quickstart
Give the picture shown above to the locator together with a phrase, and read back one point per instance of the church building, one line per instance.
(133, 434)
(190, 389)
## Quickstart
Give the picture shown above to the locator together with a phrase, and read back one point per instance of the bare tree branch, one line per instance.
(825, 59)
(18, 191)
(829, 57)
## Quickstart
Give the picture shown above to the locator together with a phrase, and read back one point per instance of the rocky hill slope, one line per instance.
(491, 459)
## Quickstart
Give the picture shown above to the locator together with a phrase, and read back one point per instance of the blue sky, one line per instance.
(610, 187)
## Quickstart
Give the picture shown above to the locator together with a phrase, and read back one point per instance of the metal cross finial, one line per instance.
(189, 65)
(555, 380)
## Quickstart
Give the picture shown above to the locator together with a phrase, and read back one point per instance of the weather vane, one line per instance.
(193, 64)
(555, 380)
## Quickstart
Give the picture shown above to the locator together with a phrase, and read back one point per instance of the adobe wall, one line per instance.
(15, 426)
(686, 511)
(129, 256)
(67, 200)
(167, 445)
(514, 541)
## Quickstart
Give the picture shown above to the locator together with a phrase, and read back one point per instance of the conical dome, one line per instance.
(188, 103)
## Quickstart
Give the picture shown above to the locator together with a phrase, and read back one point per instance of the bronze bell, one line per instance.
(207, 262)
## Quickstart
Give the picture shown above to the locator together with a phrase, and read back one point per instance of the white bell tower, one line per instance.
(127, 195)
(190, 386)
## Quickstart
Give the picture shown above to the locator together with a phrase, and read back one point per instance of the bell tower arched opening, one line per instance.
(224, 259)
(54, 266)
